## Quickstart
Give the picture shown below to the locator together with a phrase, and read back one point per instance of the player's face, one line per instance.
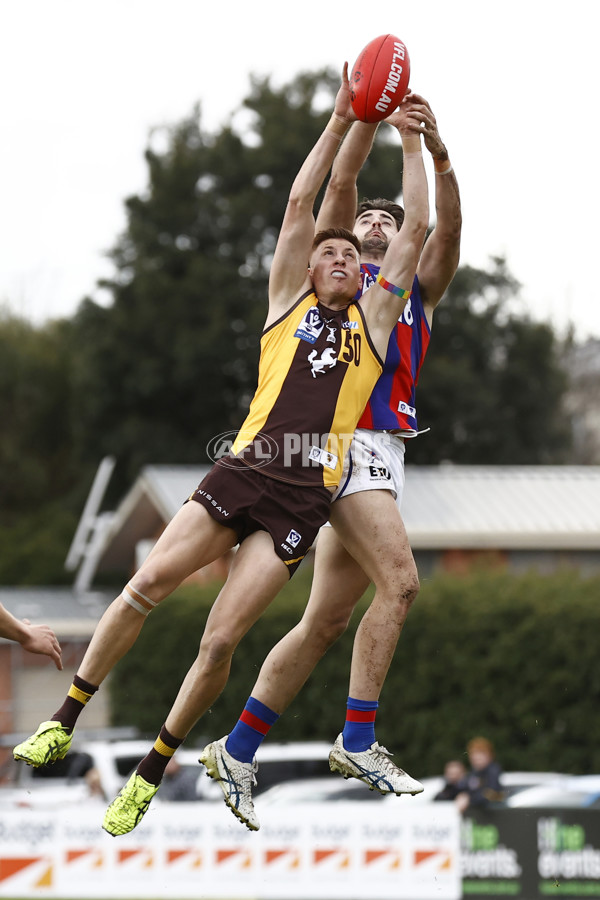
(335, 270)
(376, 227)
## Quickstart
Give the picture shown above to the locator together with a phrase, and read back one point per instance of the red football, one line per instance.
(379, 78)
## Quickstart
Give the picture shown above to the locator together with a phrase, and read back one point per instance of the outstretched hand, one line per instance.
(41, 639)
(343, 106)
(401, 118)
(414, 115)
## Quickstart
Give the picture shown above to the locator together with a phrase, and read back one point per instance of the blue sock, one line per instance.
(359, 730)
(250, 730)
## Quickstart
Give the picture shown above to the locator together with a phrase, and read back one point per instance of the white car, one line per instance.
(277, 763)
(67, 781)
(566, 791)
(113, 761)
(512, 783)
(324, 789)
(335, 788)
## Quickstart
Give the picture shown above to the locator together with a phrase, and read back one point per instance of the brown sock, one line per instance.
(79, 693)
(152, 767)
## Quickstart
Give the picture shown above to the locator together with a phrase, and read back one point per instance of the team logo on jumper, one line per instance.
(311, 326)
(368, 280)
(318, 364)
(327, 459)
(406, 409)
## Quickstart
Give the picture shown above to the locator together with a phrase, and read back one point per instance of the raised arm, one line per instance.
(441, 253)
(289, 270)
(35, 638)
(384, 301)
(339, 203)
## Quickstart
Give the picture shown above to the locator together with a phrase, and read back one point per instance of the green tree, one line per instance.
(506, 656)
(34, 390)
(492, 385)
(173, 360)
(38, 486)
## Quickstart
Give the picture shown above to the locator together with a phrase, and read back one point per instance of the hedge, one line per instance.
(514, 658)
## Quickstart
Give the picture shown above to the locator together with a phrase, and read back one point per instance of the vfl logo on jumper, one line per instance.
(291, 542)
(310, 327)
(327, 459)
(318, 364)
(393, 78)
(406, 409)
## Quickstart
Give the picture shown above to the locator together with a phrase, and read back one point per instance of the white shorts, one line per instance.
(374, 462)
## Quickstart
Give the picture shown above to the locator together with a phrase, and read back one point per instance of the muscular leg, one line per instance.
(338, 584)
(374, 547)
(371, 529)
(374, 540)
(231, 759)
(256, 576)
(191, 540)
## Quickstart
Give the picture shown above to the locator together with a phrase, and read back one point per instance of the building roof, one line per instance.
(447, 506)
(67, 612)
(444, 507)
(151, 502)
(504, 507)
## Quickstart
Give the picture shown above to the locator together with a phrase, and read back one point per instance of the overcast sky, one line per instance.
(514, 86)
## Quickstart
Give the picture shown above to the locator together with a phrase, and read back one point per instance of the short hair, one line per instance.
(388, 206)
(331, 234)
(482, 744)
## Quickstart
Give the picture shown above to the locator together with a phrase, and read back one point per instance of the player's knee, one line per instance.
(217, 648)
(400, 587)
(138, 599)
(330, 630)
(407, 590)
(151, 583)
(413, 585)
(411, 589)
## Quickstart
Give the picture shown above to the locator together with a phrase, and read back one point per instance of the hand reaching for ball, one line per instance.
(414, 115)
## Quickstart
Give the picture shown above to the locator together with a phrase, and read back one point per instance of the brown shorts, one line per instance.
(244, 499)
